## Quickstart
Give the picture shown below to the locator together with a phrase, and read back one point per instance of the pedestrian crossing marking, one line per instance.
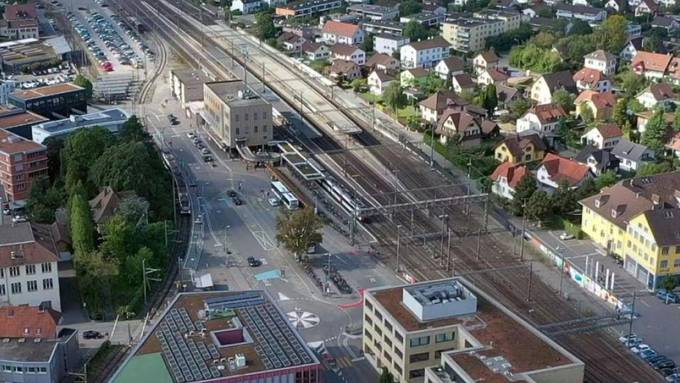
(344, 362)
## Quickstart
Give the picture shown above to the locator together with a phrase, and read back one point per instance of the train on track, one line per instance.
(350, 203)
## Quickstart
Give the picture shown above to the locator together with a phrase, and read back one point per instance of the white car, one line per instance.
(565, 236)
(190, 135)
(624, 339)
(640, 347)
(18, 219)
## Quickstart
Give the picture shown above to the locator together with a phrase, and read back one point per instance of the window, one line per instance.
(14, 271)
(388, 326)
(664, 264)
(446, 337)
(7, 368)
(676, 263)
(398, 353)
(399, 337)
(397, 368)
(31, 370)
(416, 373)
(47, 284)
(46, 267)
(378, 316)
(237, 131)
(377, 330)
(369, 305)
(367, 319)
(42, 370)
(32, 285)
(664, 250)
(387, 341)
(2, 272)
(30, 269)
(387, 356)
(20, 370)
(415, 358)
(420, 341)
(2, 290)
(368, 334)
(16, 288)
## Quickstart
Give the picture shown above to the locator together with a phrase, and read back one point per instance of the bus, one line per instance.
(287, 198)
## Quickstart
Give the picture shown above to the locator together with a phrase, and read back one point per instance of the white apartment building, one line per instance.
(601, 60)
(470, 34)
(409, 329)
(28, 267)
(424, 54)
(388, 44)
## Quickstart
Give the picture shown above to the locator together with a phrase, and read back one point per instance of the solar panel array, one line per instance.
(276, 345)
(235, 301)
(185, 358)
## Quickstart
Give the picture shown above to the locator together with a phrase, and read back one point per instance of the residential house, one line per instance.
(388, 43)
(348, 53)
(105, 204)
(506, 95)
(458, 125)
(615, 6)
(637, 219)
(315, 51)
(600, 104)
(542, 119)
(492, 76)
(345, 70)
(246, 7)
(485, 61)
(542, 90)
(462, 83)
(644, 117)
(520, 148)
(28, 267)
(647, 7)
(598, 160)
(604, 136)
(631, 155)
(378, 81)
(32, 322)
(634, 31)
(581, 12)
(425, 53)
(631, 49)
(556, 170)
(668, 23)
(592, 79)
(673, 144)
(602, 61)
(506, 177)
(382, 62)
(20, 21)
(409, 77)
(336, 32)
(651, 65)
(290, 41)
(432, 107)
(449, 67)
(658, 94)
(374, 12)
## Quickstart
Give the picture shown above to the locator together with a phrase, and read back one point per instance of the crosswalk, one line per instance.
(344, 362)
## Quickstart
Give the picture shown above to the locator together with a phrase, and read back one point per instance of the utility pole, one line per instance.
(146, 279)
(561, 253)
(398, 244)
(448, 254)
(263, 75)
(467, 194)
(531, 277)
(325, 288)
(632, 315)
(521, 237)
(432, 148)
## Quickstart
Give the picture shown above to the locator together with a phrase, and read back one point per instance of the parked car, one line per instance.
(253, 262)
(624, 338)
(237, 201)
(19, 219)
(232, 193)
(566, 236)
(667, 297)
(92, 334)
(640, 347)
(190, 135)
(656, 359)
(673, 377)
(664, 364)
(647, 354)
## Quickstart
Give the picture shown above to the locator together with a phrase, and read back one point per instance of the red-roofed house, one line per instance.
(20, 21)
(661, 93)
(506, 177)
(491, 76)
(601, 104)
(26, 321)
(556, 169)
(592, 79)
(348, 53)
(651, 65)
(646, 7)
(604, 136)
(459, 125)
(335, 32)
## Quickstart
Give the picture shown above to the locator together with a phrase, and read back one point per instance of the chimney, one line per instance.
(655, 199)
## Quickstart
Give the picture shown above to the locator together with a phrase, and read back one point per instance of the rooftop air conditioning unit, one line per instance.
(240, 360)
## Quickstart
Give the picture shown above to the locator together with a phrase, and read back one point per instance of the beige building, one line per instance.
(412, 330)
(236, 115)
(470, 34)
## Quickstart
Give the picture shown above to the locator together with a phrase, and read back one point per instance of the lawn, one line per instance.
(101, 359)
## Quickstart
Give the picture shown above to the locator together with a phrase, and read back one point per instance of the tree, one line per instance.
(676, 122)
(652, 43)
(299, 230)
(539, 206)
(544, 40)
(82, 226)
(523, 192)
(94, 281)
(393, 96)
(606, 179)
(669, 283)
(579, 27)
(519, 107)
(415, 31)
(133, 130)
(656, 129)
(531, 57)
(367, 46)
(83, 81)
(505, 41)
(54, 154)
(631, 83)
(586, 114)
(587, 188)
(564, 199)
(358, 84)
(265, 26)
(652, 169)
(489, 99)
(43, 200)
(612, 35)
(82, 149)
(386, 376)
(431, 83)
(565, 99)
(409, 7)
(620, 112)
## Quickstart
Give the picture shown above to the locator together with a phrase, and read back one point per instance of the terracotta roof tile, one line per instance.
(600, 100)
(512, 172)
(548, 113)
(380, 59)
(517, 143)
(564, 169)
(435, 42)
(340, 28)
(609, 130)
(28, 322)
(589, 76)
(344, 49)
(644, 61)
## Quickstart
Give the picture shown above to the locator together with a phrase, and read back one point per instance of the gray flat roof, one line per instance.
(11, 234)
(229, 91)
(101, 117)
(28, 351)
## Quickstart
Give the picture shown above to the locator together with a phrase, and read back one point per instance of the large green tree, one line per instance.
(415, 31)
(84, 82)
(620, 112)
(265, 26)
(606, 179)
(299, 230)
(655, 132)
(564, 199)
(489, 99)
(539, 206)
(523, 192)
(654, 168)
(133, 130)
(612, 35)
(44, 199)
(394, 97)
(386, 376)
(82, 149)
(82, 226)
(409, 7)
(565, 99)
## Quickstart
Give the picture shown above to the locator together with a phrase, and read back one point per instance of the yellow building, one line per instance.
(412, 329)
(638, 219)
(520, 149)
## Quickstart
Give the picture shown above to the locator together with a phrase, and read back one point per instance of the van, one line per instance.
(274, 201)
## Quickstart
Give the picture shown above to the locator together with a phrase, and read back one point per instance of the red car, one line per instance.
(107, 66)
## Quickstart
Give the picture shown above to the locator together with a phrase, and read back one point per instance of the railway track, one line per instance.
(605, 360)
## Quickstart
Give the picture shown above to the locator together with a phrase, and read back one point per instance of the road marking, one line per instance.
(282, 297)
(263, 239)
(359, 359)
(644, 303)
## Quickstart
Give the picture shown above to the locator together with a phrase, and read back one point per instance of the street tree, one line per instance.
(394, 97)
(265, 26)
(539, 206)
(84, 82)
(524, 190)
(655, 132)
(299, 230)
